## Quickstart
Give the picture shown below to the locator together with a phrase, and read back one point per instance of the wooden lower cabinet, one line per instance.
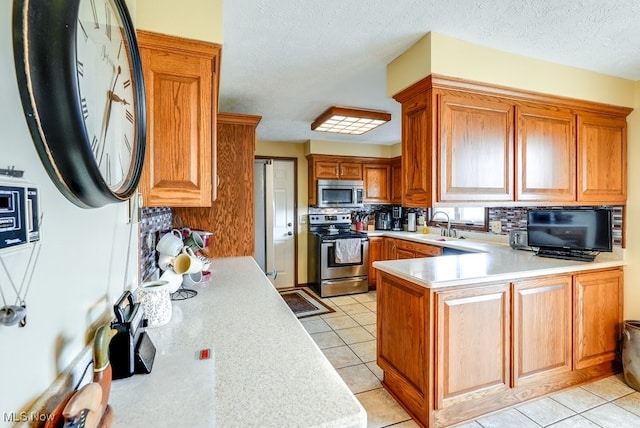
(472, 351)
(450, 355)
(598, 308)
(541, 328)
(376, 253)
(396, 249)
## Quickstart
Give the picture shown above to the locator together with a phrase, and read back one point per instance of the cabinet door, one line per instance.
(389, 249)
(473, 346)
(475, 148)
(396, 181)
(417, 137)
(326, 170)
(375, 254)
(602, 159)
(404, 333)
(402, 253)
(376, 183)
(541, 328)
(350, 171)
(597, 316)
(546, 154)
(417, 249)
(181, 98)
(425, 250)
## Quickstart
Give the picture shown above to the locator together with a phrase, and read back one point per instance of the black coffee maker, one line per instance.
(383, 220)
(130, 350)
(397, 218)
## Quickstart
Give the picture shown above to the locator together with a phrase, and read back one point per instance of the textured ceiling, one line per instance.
(288, 60)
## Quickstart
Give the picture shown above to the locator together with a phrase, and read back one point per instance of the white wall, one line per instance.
(82, 260)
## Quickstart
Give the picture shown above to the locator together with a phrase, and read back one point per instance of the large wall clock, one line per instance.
(80, 79)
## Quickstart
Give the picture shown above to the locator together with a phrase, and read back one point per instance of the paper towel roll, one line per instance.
(411, 220)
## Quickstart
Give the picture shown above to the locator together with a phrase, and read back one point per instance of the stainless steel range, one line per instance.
(338, 257)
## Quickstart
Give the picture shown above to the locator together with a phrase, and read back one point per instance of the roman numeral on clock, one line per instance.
(129, 116)
(85, 109)
(96, 24)
(127, 143)
(107, 25)
(84, 32)
(80, 68)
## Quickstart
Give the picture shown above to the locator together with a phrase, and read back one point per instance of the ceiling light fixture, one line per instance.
(352, 121)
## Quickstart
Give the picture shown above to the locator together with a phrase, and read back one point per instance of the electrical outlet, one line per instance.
(496, 226)
(303, 219)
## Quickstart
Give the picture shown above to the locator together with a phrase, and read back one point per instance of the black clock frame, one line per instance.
(44, 45)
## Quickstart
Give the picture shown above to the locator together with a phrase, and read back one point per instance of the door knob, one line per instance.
(289, 233)
(289, 224)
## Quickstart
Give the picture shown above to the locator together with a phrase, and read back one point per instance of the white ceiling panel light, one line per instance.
(344, 120)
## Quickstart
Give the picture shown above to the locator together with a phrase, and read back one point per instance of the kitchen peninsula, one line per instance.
(461, 336)
(263, 367)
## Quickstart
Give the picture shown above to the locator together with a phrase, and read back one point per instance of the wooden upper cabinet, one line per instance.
(231, 215)
(181, 83)
(597, 310)
(494, 145)
(337, 170)
(396, 180)
(377, 182)
(545, 154)
(475, 148)
(417, 151)
(541, 327)
(602, 159)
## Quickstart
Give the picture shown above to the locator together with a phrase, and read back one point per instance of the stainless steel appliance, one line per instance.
(332, 270)
(383, 220)
(397, 218)
(518, 239)
(340, 193)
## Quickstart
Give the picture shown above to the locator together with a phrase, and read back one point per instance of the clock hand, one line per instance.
(106, 118)
(116, 98)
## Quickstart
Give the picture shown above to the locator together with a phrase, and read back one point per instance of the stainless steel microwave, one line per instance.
(340, 193)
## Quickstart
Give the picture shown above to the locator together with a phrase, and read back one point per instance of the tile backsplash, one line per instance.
(516, 218)
(152, 222)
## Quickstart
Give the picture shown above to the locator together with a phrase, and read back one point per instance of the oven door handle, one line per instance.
(332, 241)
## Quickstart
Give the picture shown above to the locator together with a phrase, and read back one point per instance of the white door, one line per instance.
(284, 223)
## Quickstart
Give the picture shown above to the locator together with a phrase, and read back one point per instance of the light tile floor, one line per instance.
(348, 339)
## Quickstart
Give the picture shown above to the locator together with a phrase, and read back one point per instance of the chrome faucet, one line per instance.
(450, 233)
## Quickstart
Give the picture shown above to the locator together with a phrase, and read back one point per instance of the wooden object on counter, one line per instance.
(467, 142)
(181, 82)
(230, 217)
(452, 354)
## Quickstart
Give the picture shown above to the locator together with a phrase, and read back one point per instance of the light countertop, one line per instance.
(489, 261)
(265, 369)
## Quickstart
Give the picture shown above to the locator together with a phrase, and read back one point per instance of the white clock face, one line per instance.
(107, 92)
